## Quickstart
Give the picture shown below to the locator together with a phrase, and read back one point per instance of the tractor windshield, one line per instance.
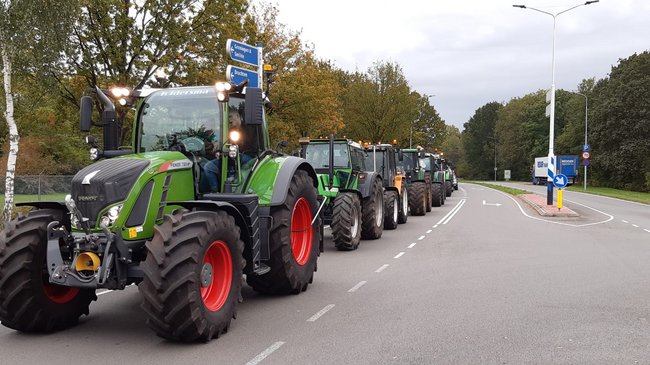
(410, 161)
(183, 119)
(318, 155)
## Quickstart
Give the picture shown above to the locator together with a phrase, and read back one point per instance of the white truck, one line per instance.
(566, 165)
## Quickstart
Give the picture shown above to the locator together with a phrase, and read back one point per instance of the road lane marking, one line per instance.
(264, 354)
(435, 226)
(647, 230)
(429, 231)
(399, 255)
(356, 287)
(635, 226)
(452, 212)
(624, 221)
(412, 245)
(420, 238)
(382, 268)
(320, 313)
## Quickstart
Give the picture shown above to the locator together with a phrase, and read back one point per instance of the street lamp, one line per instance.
(586, 111)
(495, 156)
(411, 134)
(551, 155)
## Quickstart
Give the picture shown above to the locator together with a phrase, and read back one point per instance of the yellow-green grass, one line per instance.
(511, 191)
(634, 196)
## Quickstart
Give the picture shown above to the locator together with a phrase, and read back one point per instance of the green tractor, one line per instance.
(381, 158)
(418, 183)
(449, 175)
(354, 196)
(437, 176)
(148, 215)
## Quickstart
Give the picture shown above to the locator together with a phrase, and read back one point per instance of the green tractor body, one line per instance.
(381, 159)
(197, 200)
(354, 200)
(417, 180)
(432, 168)
(449, 175)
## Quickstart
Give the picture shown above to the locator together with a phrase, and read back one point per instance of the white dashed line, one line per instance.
(264, 354)
(647, 230)
(399, 255)
(624, 221)
(635, 226)
(356, 287)
(429, 231)
(412, 245)
(421, 238)
(320, 313)
(435, 226)
(382, 268)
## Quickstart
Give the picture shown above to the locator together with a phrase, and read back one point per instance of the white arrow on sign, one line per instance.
(492, 204)
(559, 180)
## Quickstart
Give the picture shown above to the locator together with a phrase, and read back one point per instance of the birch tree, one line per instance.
(32, 34)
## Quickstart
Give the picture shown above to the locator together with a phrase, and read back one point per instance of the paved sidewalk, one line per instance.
(538, 203)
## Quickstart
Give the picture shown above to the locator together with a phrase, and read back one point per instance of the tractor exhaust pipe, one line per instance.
(331, 164)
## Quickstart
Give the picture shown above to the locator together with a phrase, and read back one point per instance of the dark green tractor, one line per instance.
(449, 175)
(437, 176)
(381, 158)
(147, 214)
(418, 183)
(354, 196)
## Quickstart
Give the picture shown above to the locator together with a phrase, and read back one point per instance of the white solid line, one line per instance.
(382, 268)
(647, 230)
(399, 255)
(103, 292)
(635, 226)
(420, 238)
(320, 313)
(412, 245)
(435, 226)
(624, 221)
(451, 212)
(429, 231)
(455, 210)
(356, 287)
(256, 360)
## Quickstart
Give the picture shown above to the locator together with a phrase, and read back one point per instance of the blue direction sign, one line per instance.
(237, 75)
(586, 147)
(585, 162)
(243, 52)
(560, 181)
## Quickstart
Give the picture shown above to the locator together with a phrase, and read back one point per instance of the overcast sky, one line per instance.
(471, 52)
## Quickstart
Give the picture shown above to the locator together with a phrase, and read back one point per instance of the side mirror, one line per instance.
(86, 111)
(254, 106)
(400, 155)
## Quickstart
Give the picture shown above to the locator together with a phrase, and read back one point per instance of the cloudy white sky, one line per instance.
(471, 52)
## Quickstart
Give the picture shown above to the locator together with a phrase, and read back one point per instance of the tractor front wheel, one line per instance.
(346, 221)
(392, 209)
(418, 198)
(193, 275)
(438, 200)
(294, 241)
(449, 188)
(373, 212)
(28, 301)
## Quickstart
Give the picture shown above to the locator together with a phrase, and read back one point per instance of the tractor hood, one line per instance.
(105, 182)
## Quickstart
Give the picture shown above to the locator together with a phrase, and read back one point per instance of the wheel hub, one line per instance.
(206, 275)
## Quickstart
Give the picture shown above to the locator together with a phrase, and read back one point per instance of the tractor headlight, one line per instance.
(234, 136)
(94, 153)
(233, 150)
(111, 215)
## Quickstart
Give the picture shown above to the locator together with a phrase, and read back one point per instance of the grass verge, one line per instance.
(511, 191)
(634, 196)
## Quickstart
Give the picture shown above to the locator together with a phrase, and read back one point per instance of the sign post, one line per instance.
(586, 155)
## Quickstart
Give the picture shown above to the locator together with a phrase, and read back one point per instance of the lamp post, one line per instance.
(495, 155)
(586, 111)
(551, 155)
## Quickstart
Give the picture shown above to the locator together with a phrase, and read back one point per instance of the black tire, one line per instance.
(346, 221)
(437, 195)
(456, 187)
(176, 306)
(429, 196)
(403, 215)
(417, 200)
(449, 188)
(391, 198)
(372, 225)
(28, 302)
(291, 272)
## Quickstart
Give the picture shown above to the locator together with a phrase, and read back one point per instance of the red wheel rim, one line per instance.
(216, 275)
(302, 232)
(57, 293)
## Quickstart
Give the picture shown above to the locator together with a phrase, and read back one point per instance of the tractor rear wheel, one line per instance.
(294, 241)
(373, 212)
(437, 195)
(429, 196)
(28, 301)
(192, 275)
(449, 187)
(418, 198)
(346, 221)
(403, 206)
(392, 209)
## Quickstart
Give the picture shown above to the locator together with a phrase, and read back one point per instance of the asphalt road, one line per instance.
(471, 282)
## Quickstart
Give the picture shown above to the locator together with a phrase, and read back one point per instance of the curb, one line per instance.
(565, 212)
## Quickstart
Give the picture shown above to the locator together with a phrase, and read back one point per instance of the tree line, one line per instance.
(618, 129)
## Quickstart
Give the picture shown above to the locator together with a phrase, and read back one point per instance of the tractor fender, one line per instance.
(391, 188)
(289, 167)
(366, 185)
(352, 191)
